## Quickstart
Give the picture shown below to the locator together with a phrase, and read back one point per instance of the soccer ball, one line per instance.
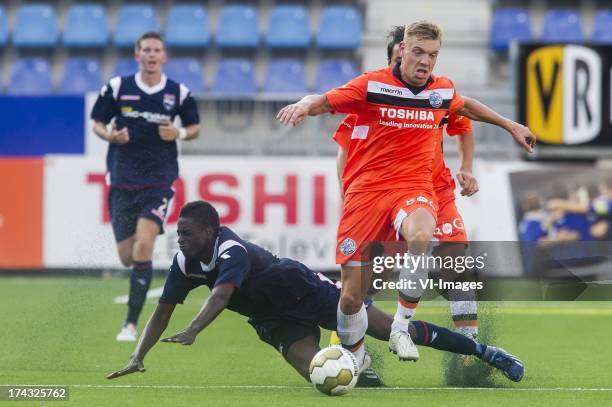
(334, 371)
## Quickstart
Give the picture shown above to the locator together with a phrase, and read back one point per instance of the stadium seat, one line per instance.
(562, 26)
(235, 76)
(35, 26)
(133, 20)
(3, 26)
(334, 72)
(30, 76)
(187, 26)
(80, 75)
(509, 24)
(339, 28)
(125, 67)
(187, 71)
(602, 27)
(289, 27)
(285, 75)
(86, 26)
(238, 27)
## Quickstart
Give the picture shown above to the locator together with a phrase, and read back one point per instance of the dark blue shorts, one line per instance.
(284, 327)
(128, 205)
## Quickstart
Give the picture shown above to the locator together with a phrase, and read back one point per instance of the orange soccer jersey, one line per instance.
(388, 172)
(394, 136)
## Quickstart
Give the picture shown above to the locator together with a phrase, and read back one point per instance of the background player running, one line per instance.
(399, 111)
(142, 160)
(285, 301)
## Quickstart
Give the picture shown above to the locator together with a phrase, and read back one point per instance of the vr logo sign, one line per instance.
(563, 102)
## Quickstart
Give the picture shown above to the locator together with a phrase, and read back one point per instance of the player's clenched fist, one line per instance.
(168, 132)
(119, 136)
(134, 365)
(468, 183)
(293, 114)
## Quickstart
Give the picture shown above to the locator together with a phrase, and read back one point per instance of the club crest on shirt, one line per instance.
(348, 246)
(435, 100)
(169, 100)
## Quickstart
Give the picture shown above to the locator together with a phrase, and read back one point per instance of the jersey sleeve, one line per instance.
(106, 106)
(343, 133)
(458, 125)
(188, 109)
(350, 98)
(234, 264)
(456, 101)
(176, 287)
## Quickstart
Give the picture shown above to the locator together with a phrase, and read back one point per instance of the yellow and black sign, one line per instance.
(564, 93)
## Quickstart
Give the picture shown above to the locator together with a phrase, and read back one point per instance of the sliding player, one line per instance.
(285, 301)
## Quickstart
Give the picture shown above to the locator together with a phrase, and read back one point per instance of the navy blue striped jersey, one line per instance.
(264, 282)
(146, 160)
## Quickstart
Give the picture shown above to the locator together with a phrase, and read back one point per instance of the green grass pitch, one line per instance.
(61, 331)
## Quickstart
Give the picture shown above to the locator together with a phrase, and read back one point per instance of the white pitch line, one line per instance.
(255, 387)
(152, 293)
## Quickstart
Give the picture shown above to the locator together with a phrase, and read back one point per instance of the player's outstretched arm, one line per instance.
(216, 303)
(155, 327)
(478, 111)
(311, 105)
(467, 181)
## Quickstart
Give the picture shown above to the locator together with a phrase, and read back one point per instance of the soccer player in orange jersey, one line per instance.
(450, 229)
(391, 194)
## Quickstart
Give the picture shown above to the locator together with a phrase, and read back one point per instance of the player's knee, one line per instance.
(419, 235)
(350, 303)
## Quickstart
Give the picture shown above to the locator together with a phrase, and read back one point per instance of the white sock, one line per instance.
(409, 297)
(352, 329)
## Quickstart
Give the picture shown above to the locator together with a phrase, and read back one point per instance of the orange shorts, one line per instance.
(375, 217)
(449, 227)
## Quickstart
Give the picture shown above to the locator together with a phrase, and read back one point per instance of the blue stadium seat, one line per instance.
(30, 76)
(133, 20)
(235, 76)
(334, 72)
(187, 26)
(187, 71)
(340, 27)
(86, 26)
(285, 75)
(289, 27)
(602, 27)
(562, 26)
(509, 24)
(125, 67)
(238, 27)
(35, 26)
(80, 75)
(3, 26)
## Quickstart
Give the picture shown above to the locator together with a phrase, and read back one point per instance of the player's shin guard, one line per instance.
(444, 339)
(352, 330)
(140, 280)
(464, 311)
(408, 297)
